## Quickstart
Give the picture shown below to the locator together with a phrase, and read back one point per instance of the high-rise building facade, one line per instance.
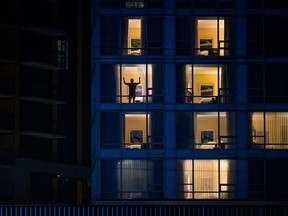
(44, 102)
(186, 101)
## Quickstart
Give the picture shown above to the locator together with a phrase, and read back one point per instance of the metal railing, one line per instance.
(151, 208)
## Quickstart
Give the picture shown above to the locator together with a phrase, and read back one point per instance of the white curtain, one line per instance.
(142, 73)
(187, 179)
(132, 179)
(206, 182)
(201, 179)
(276, 129)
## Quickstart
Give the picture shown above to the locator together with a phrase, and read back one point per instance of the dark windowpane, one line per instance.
(109, 37)
(276, 83)
(183, 4)
(254, 4)
(154, 35)
(256, 179)
(275, 3)
(226, 4)
(276, 180)
(255, 83)
(255, 36)
(109, 3)
(184, 38)
(275, 37)
(205, 4)
(154, 3)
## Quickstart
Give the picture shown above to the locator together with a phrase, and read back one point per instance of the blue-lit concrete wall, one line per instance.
(170, 153)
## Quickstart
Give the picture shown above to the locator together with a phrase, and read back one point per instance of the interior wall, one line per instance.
(210, 33)
(210, 123)
(135, 122)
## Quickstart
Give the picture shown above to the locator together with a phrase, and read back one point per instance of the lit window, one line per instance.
(131, 130)
(206, 130)
(269, 130)
(131, 83)
(204, 36)
(206, 84)
(206, 179)
(134, 42)
(143, 130)
(210, 32)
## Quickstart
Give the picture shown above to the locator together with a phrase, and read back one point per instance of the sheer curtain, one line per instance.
(257, 129)
(185, 179)
(276, 132)
(142, 73)
(206, 182)
(227, 179)
(132, 179)
(226, 92)
(228, 36)
(181, 83)
(124, 35)
(202, 179)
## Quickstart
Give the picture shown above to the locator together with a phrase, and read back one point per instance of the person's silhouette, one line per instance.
(132, 88)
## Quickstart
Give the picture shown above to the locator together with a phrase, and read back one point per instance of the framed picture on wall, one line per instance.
(206, 43)
(136, 136)
(207, 136)
(135, 44)
(206, 90)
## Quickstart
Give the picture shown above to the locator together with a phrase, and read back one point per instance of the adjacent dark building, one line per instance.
(44, 101)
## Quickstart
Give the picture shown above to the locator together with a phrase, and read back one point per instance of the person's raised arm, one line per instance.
(124, 81)
(139, 80)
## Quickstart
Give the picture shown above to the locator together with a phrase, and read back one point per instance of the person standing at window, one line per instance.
(132, 88)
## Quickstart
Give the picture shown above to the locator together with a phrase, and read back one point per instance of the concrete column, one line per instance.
(95, 103)
(241, 100)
